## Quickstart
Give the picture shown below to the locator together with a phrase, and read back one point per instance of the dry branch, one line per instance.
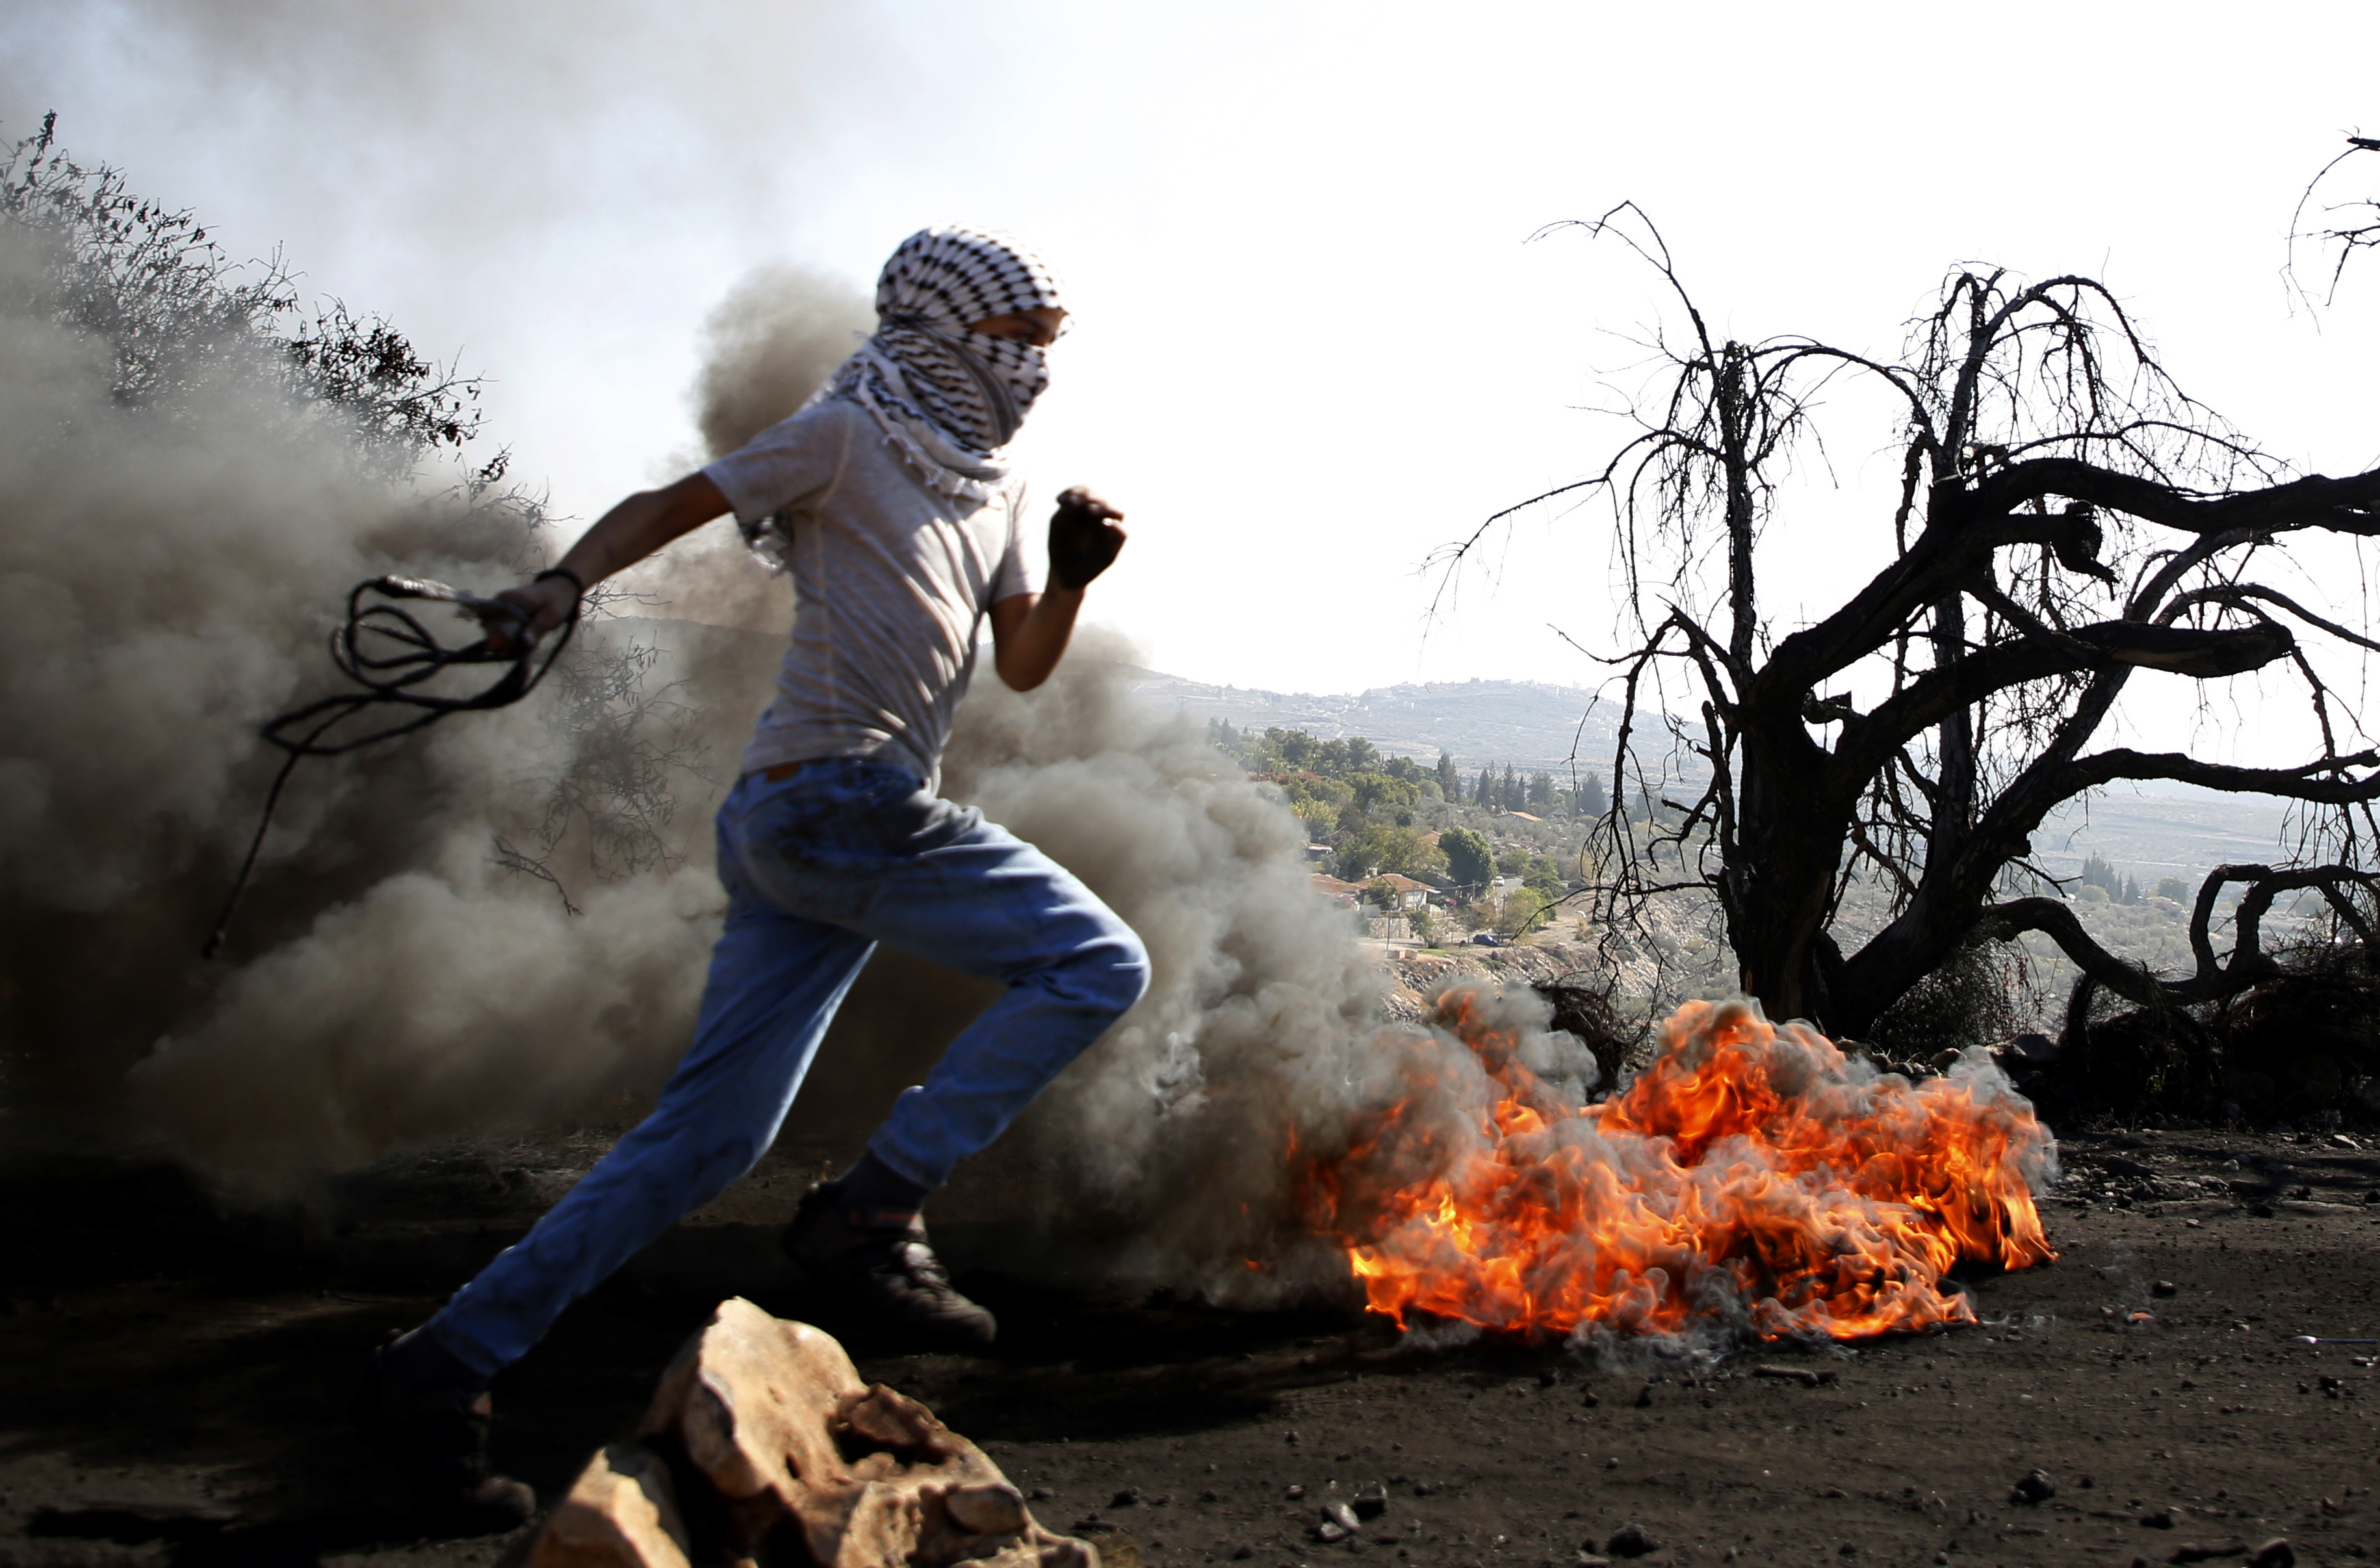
(2067, 515)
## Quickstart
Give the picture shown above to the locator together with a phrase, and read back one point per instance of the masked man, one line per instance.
(887, 499)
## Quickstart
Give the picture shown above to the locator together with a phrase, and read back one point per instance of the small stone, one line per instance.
(1424, 1489)
(1128, 1498)
(1330, 1530)
(1808, 1377)
(1210, 1495)
(992, 1508)
(2165, 1287)
(1630, 1541)
(1612, 1463)
(2160, 1520)
(2036, 1486)
(1372, 1501)
(1243, 1552)
(1338, 1514)
(2273, 1553)
(1644, 1397)
(622, 1509)
(1589, 1399)
(1834, 1492)
(1297, 1492)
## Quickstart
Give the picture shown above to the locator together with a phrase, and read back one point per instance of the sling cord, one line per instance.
(391, 679)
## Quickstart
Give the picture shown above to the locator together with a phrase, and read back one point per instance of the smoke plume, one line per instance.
(458, 994)
(396, 977)
(771, 343)
(169, 565)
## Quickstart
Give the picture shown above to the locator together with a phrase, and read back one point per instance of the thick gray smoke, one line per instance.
(457, 993)
(1261, 1030)
(168, 574)
(772, 343)
(168, 581)
(774, 339)
(1261, 1040)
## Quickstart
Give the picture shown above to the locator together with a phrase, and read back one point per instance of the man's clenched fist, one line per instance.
(1083, 539)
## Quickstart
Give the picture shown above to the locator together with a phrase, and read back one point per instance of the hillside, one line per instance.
(2178, 832)
(1534, 724)
(1528, 723)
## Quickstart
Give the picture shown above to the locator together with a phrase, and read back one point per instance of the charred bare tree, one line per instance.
(2066, 516)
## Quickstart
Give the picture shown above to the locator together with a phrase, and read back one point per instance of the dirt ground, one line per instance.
(172, 1383)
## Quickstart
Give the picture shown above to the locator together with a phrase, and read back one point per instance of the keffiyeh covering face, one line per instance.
(950, 398)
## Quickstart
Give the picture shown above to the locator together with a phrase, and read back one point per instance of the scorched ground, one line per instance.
(173, 1384)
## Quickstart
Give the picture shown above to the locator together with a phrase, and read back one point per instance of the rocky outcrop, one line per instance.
(781, 1453)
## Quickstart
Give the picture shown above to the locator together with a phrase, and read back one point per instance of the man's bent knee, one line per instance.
(1108, 974)
(1129, 969)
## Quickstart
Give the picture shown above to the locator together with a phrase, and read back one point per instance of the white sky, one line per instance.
(1310, 343)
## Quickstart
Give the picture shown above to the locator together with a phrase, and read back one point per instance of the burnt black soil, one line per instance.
(172, 1382)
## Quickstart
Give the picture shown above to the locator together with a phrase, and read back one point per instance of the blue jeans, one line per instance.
(819, 868)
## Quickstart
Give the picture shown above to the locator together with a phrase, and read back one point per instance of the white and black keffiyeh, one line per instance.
(948, 399)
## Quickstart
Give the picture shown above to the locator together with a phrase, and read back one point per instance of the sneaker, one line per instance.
(888, 1269)
(437, 1438)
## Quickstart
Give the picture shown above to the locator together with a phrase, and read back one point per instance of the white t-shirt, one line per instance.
(892, 579)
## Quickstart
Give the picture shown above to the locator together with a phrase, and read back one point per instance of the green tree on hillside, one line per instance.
(1374, 790)
(1470, 859)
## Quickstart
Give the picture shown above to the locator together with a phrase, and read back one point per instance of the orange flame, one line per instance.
(1752, 1177)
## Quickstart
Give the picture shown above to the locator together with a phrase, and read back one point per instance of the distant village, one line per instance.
(1483, 853)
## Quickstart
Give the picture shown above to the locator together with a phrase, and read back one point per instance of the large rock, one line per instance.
(774, 1419)
(621, 1513)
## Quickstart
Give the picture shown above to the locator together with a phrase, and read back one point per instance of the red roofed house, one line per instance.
(1337, 892)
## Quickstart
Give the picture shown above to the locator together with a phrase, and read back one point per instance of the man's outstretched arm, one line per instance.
(619, 538)
(1029, 631)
